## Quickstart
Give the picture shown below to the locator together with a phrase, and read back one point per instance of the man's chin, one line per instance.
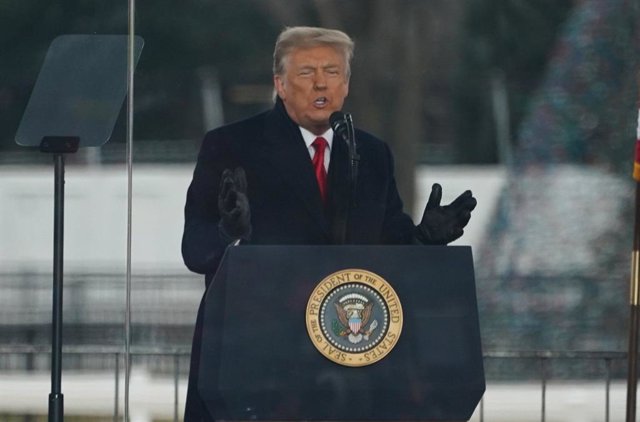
(319, 121)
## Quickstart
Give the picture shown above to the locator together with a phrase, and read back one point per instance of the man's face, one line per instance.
(313, 86)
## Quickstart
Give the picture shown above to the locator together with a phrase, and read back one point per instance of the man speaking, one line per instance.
(282, 176)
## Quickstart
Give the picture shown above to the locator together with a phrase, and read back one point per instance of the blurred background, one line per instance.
(532, 104)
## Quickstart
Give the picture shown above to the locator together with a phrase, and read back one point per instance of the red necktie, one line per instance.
(320, 145)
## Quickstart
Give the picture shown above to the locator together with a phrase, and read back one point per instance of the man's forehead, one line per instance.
(319, 55)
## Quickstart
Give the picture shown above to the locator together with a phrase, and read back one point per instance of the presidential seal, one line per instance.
(354, 317)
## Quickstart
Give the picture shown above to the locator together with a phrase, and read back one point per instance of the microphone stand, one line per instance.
(342, 125)
(354, 161)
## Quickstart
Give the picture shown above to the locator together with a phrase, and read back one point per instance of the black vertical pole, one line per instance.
(634, 283)
(634, 319)
(56, 399)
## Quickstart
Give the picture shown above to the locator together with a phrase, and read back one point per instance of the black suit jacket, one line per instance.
(284, 199)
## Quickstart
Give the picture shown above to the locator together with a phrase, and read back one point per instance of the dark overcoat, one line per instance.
(286, 207)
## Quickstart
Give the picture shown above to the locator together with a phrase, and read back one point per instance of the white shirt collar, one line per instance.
(310, 137)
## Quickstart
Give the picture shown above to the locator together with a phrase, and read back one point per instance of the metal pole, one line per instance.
(632, 374)
(543, 410)
(127, 328)
(607, 402)
(116, 399)
(634, 295)
(176, 376)
(56, 399)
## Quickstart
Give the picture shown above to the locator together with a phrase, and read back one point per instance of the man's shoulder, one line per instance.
(362, 134)
(248, 125)
(368, 141)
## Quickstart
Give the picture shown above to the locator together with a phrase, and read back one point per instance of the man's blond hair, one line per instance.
(295, 37)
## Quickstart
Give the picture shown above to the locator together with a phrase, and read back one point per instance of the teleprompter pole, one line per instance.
(56, 399)
(58, 145)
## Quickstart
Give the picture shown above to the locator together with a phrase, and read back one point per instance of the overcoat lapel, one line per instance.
(286, 151)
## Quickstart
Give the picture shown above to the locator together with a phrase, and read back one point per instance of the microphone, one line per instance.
(338, 122)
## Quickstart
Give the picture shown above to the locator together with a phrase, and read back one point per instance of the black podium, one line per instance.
(258, 360)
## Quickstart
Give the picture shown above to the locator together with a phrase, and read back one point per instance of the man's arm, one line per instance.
(442, 224)
(203, 243)
(398, 226)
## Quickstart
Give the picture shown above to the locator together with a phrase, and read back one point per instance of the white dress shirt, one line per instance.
(310, 137)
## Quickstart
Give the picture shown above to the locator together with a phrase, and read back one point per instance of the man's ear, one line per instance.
(278, 84)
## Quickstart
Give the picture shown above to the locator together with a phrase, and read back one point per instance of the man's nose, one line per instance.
(319, 82)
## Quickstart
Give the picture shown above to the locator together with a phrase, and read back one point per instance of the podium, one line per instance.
(259, 360)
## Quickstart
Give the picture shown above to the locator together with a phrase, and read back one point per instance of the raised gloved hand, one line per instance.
(233, 205)
(443, 224)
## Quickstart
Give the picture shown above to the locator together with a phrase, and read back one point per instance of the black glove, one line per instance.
(443, 224)
(233, 204)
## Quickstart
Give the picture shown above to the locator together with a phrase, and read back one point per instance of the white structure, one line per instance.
(96, 213)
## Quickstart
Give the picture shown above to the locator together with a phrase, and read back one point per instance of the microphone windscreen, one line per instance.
(336, 120)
